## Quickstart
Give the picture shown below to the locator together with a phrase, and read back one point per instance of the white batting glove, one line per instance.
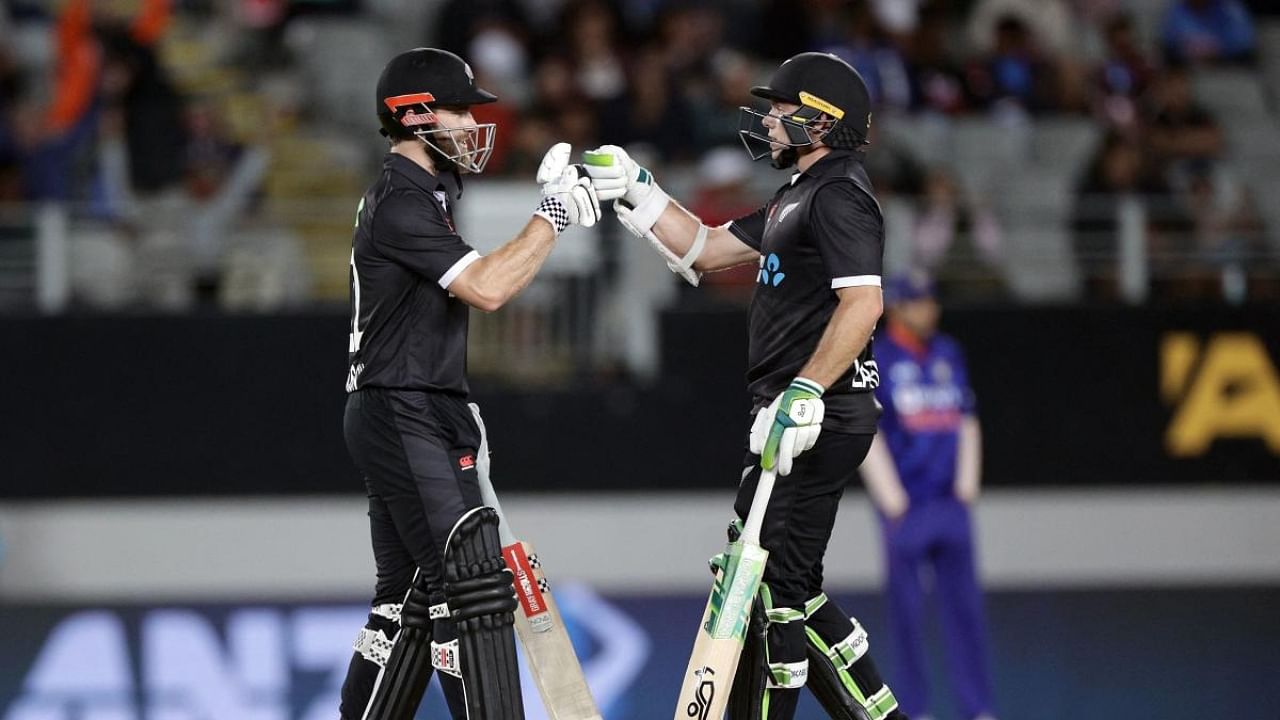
(568, 197)
(638, 203)
(789, 426)
(616, 176)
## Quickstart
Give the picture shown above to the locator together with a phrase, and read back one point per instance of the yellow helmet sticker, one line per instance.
(820, 105)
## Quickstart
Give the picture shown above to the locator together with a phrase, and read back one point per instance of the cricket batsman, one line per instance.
(818, 244)
(444, 597)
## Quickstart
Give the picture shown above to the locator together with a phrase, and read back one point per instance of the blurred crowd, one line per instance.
(109, 126)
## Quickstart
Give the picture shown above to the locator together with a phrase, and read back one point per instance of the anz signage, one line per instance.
(252, 663)
(181, 665)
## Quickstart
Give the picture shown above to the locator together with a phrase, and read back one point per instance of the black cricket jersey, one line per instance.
(407, 331)
(822, 231)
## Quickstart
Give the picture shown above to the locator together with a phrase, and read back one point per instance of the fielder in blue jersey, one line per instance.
(923, 475)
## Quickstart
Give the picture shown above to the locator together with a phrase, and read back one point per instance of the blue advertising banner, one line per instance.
(1057, 655)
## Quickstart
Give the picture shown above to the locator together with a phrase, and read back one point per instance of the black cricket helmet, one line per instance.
(822, 85)
(416, 81)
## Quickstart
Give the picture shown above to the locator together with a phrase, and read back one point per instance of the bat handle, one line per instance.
(487, 495)
(755, 518)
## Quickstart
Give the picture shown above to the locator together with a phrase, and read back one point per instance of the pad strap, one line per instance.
(782, 675)
(390, 611)
(851, 649)
(444, 657)
(374, 646)
(785, 676)
(813, 605)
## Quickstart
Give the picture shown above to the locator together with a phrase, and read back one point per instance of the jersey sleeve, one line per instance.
(412, 231)
(849, 232)
(750, 228)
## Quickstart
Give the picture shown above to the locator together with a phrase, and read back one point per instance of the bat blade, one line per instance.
(704, 690)
(546, 642)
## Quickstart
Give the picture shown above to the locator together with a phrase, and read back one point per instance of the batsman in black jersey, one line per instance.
(444, 598)
(819, 244)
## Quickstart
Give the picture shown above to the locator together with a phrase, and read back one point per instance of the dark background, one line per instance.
(227, 405)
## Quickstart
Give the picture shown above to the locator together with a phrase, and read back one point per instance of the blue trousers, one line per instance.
(938, 535)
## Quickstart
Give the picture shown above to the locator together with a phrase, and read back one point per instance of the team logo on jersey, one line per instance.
(467, 462)
(770, 270)
(787, 211)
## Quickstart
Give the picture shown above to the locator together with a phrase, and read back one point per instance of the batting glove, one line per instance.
(788, 426)
(568, 197)
(616, 176)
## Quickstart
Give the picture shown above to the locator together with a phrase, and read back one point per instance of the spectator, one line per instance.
(691, 33)
(1181, 130)
(937, 84)
(958, 240)
(870, 50)
(1208, 31)
(554, 85)
(654, 111)
(901, 18)
(1015, 79)
(1050, 21)
(498, 53)
(148, 110)
(459, 21)
(1123, 76)
(142, 154)
(1223, 254)
(892, 167)
(223, 177)
(923, 474)
(715, 111)
(1119, 176)
(12, 148)
(65, 128)
(723, 194)
(599, 72)
(787, 27)
(535, 133)
(260, 33)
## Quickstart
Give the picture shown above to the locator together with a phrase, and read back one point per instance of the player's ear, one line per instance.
(823, 125)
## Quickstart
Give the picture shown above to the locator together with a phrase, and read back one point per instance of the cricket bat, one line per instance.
(704, 690)
(546, 642)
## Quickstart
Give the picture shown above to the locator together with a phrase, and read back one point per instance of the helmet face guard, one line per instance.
(471, 145)
(466, 146)
(755, 136)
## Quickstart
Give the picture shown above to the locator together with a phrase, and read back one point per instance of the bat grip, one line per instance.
(490, 498)
(755, 518)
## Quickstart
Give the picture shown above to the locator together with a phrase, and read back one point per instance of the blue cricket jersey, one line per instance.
(924, 388)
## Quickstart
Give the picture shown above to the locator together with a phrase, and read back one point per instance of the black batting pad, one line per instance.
(481, 601)
(403, 681)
